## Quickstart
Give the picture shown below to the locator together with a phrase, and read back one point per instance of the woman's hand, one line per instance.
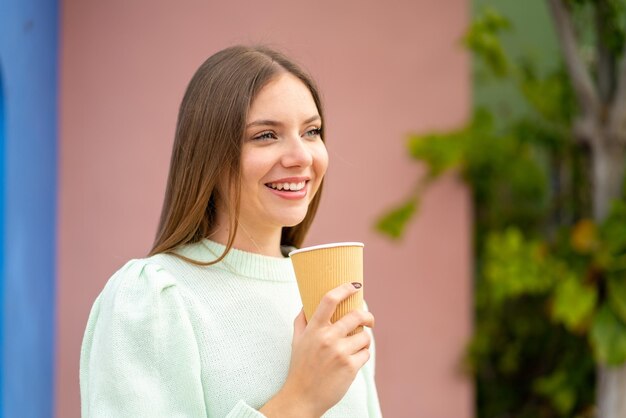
(324, 359)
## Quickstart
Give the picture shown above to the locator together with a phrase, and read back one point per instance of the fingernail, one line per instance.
(356, 285)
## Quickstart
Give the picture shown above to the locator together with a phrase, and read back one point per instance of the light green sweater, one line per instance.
(167, 338)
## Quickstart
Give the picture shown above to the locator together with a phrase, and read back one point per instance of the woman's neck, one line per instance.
(265, 242)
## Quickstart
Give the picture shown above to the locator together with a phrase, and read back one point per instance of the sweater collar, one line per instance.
(241, 262)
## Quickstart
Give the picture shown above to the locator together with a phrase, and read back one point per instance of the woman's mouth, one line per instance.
(287, 187)
(288, 190)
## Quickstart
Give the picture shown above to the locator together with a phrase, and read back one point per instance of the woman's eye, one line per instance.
(263, 136)
(314, 132)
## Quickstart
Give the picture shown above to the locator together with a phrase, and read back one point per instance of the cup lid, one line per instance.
(330, 245)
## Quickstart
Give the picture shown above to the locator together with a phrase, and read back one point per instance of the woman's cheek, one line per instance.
(321, 159)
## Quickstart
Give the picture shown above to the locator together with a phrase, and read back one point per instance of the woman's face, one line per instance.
(283, 158)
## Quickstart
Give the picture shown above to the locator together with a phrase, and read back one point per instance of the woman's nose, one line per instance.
(296, 153)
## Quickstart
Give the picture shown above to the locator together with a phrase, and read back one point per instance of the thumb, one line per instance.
(299, 324)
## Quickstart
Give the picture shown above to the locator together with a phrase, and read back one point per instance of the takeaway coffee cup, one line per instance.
(322, 268)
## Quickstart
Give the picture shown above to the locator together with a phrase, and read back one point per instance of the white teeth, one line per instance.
(288, 186)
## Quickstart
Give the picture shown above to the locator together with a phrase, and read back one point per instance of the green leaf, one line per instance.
(613, 229)
(549, 96)
(454, 149)
(574, 303)
(617, 296)
(558, 389)
(441, 152)
(394, 222)
(515, 266)
(482, 39)
(608, 337)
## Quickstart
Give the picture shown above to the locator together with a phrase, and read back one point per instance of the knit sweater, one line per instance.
(167, 338)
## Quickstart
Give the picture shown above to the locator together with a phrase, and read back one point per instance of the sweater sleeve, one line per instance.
(139, 356)
(369, 372)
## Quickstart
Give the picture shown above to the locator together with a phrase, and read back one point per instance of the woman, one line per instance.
(205, 325)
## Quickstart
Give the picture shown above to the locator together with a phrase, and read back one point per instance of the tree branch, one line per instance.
(584, 89)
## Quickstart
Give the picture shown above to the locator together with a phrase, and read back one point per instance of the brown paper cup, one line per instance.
(322, 268)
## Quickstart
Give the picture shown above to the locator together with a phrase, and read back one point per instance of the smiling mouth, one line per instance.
(287, 187)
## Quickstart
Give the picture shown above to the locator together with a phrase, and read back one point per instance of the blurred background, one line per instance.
(460, 154)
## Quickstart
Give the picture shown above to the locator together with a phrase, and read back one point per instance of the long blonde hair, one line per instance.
(207, 146)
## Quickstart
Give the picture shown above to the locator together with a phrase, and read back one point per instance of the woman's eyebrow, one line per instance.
(269, 122)
(312, 119)
(264, 122)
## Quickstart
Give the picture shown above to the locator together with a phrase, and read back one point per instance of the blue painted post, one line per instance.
(2, 181)
(28, 52)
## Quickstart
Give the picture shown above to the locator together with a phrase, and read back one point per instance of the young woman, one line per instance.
(205, 325)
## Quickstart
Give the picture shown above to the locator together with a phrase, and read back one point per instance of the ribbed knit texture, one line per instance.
(167, 338)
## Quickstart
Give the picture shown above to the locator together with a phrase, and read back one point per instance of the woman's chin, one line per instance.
(293, 220)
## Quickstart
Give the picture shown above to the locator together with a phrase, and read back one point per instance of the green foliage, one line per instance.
(524, 365)
(509, 184)
(516, 267)
(574, 303)
(551, 96)
(482, 38)
(611, 14)
(613, 236)
(550, 285)
(557, 388)
(394, 222)
(617, 297)
(608, 336)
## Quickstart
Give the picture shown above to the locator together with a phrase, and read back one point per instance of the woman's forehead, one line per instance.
(283, 96)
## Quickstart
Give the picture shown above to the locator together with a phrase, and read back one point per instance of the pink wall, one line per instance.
(383, 71)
